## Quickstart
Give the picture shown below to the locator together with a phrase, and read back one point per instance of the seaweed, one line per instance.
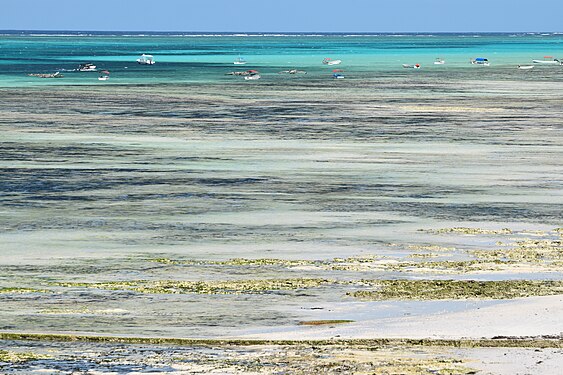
(205, 287)
(456, 289)
(18, 357)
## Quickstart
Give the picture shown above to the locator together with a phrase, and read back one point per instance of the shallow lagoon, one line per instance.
(349, 180)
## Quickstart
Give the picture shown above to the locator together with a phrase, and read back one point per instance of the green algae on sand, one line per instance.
(205, 287)
(18, 357)
(469, 231)
(324, 322)
(497, 342)
(528, 250)
(457, 289)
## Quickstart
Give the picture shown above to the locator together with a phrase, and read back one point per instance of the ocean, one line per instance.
(184, 58)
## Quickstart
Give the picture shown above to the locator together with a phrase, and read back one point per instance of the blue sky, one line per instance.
(284, 15)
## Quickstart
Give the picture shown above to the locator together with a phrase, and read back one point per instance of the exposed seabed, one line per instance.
(402, 207)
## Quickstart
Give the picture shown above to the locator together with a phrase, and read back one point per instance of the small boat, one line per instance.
(292, 71)
(548, 60)
(329, 61)
(525, 67)
(439, 61)
(245, 73)
(50, 75)
(252, 77)
(480, 61)
(88, 67)
(146, 59)
(337, 76)
(408, 66)
(104, 75)
(240, 61)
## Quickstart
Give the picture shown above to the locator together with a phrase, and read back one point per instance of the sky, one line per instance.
(284, 15)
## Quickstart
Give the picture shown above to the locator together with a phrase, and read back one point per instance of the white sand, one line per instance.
(521, 317)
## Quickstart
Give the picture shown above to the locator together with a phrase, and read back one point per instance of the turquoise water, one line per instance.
(193, 58)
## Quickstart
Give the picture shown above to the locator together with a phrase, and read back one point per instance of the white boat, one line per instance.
(146, 59)
(546, 61)
(329, 61)
(292, 71)
(337, 76)
(525, 67)
(88, 67)
(240, 61)
(439, 61)
(480, 61)
(104, 75)
(252, 77)
(409, 66)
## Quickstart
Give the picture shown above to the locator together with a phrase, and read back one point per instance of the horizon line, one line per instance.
(273, 32)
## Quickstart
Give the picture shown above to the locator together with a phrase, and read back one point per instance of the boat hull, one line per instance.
(544, 62)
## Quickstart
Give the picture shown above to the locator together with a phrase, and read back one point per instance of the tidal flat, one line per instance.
(69, 354)
(410, 207)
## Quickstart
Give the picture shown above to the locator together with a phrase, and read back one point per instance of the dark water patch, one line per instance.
(43, 181)
(539, 213)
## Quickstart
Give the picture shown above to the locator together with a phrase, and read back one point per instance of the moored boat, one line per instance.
(439, 61)
(104, 75)
(525, 67)
(240, 61)
(292, 71)
(329, 61)
(87, 67)
(409, 66)
(244, 73)
(548, 60)
(480, 61)
(146, 60)
(337, 73)
(252, 77)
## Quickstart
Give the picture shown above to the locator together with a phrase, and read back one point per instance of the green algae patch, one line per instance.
(239, 262)
(324, 322)
(21, 290)
(18, 357)
(469, 231)
(434, 248)
(453, 266)
(206, 287)
(456, 289)
(415, 366)
(499, 342)
(424, 255)
(529, 251)
(287, 263)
